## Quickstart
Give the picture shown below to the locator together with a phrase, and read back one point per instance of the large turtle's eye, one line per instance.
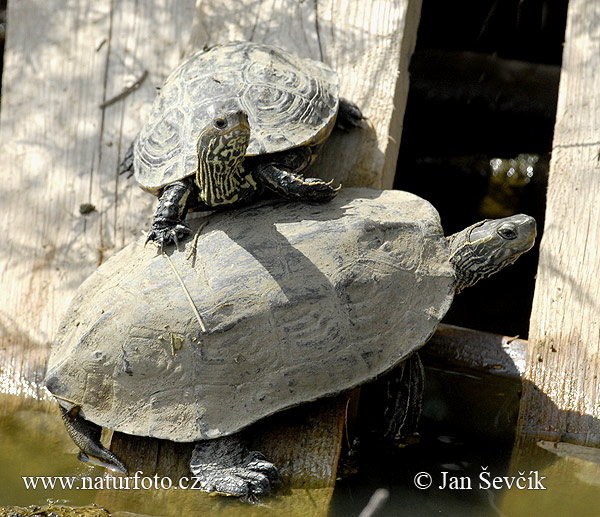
(220, 123)
(507, 232)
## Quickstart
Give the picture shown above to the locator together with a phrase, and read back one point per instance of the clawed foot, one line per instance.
(163, 233)
(234, 471)
(316, 189)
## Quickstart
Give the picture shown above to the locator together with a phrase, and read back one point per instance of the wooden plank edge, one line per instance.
(459, 347)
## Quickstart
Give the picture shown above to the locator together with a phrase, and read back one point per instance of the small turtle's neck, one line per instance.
(221, 176)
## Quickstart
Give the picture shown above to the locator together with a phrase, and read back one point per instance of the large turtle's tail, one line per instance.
(86, 436)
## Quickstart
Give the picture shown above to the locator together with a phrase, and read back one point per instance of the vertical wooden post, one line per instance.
(561, 393)
(561, 388)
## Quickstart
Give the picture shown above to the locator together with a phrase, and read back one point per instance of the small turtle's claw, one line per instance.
(174, 238)
(338, 188)
(164, 234)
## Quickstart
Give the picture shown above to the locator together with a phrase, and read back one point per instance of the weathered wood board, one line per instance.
(369, 44)
(60, 150)
(562, 380)
(65, 209)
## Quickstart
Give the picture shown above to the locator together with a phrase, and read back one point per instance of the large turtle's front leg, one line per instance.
(168, 224)
(226, 466)
(282, 173)
(86, 436)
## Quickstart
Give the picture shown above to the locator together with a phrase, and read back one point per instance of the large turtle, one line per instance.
(299, 302)
(231, 122)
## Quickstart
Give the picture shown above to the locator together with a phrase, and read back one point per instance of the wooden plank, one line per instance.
(369, 44)
(366, 45)
(303, 442)
(65, 206)
(60, 150)
(561, 388)
(454, 347)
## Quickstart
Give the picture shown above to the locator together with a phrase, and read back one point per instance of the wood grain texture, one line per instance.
(562, 380)
(369, 44)
(64, 59)
(454, 347)
(60, 150)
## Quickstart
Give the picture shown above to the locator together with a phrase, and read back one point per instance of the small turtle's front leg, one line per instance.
(225, 466)
(284, 177)
(86, 436)
(168, 224)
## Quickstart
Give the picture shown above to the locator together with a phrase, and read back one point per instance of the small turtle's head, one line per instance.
(221, 148)
(489, 246)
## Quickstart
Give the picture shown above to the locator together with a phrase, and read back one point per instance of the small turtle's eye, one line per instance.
(507, 232)
(220, 123)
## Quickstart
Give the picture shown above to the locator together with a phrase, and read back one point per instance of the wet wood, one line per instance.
(561, 388)
(563, 480)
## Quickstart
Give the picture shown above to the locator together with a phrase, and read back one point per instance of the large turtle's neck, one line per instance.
(464, 258)
(489, 246)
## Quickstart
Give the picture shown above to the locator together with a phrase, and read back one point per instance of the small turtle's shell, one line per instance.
(299, 302)
(289, 101)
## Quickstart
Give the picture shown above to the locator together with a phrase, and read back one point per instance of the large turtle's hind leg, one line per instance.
(86, 436)
(283, 175)
(404, 399)
(349, 115)
(226, 466)
(126, 166)
(168, 224)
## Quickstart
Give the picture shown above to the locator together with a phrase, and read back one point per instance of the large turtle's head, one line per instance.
(489, 246)
(221, 147)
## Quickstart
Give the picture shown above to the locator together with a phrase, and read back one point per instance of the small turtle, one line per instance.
(299, 302)
(231, 122)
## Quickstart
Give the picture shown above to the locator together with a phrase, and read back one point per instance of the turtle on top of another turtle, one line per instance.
(299, 302)
(230, 123)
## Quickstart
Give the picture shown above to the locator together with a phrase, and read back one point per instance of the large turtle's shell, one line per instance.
(289, 102)
(299, 302)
